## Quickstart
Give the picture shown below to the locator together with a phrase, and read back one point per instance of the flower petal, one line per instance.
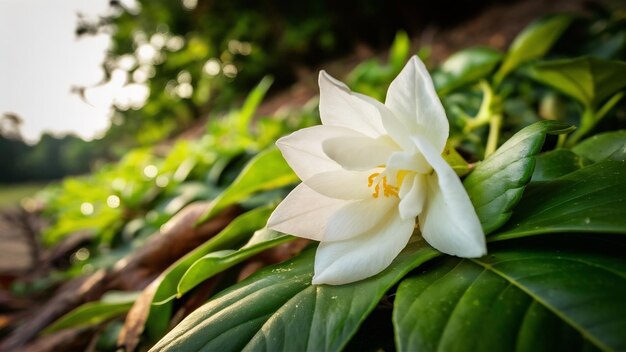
(412, 203)
(395, 128)
(449, 221)
(356, 218)
(407, 185)
(411, 161)
(413, 100)
(359, 153)
(340, 107)
(304, 213)
(303, 149)
(363, 256)
(341, 184)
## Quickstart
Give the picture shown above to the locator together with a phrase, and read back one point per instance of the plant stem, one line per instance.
(561, 141)
(495, 123)
(591, 117)
(490, 112)
(587, 123)
(484, 112)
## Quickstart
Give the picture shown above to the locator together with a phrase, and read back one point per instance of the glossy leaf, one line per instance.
(609, 145)
(465, 67)
(588, 200)
(528, 298)
(533, 43)
(267, 170)
(589, 80)
(496, 184)
(556, 163)
(278, 309)
(216, 262)
(94, 313)
(232, 235)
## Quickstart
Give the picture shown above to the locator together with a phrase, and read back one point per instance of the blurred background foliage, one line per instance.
(178, 61)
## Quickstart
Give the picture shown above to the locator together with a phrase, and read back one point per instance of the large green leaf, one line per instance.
(265, 171)
(589, 80)
(216, 262)
(278, 309)
(232, 235)
(521, 299)
(587, 200)
(110, 306)
(556, 163)
(533, 43)
(465, 67)
(609, 145)
(497, 183)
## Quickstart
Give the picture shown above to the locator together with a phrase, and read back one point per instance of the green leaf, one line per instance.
(455, 160)
(609, 145)
(533, 43)
(556, 163)
(399, 52)
(93, 313)
(232, 235)
(588, 80)
(267, 170)
(528, 298)
(278, 309)
(465, 67)
(588, 200)
(496, 184)
(216, 262)
(244, 120)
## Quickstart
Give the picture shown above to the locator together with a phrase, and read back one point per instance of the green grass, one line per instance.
(12, 194)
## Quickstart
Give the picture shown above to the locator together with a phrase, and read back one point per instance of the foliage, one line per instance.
(552, 204)
(110, 306)
(496, 184)
(528, 293)
(50, 159)
(196, 57)
(133, 198)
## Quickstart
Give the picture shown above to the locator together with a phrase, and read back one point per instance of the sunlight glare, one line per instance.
(212, 67)
(162, 181)
(150, 171)
(113, 201)
(184, 90)
(230, 70)
(175, 43)
(86, 209)
(146, 54)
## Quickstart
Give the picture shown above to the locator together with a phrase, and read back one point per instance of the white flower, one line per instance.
(368, 172)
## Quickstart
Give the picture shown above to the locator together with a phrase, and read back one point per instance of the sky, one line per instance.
(41, 59)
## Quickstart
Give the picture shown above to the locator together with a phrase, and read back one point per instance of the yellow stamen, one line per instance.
(400, 177)
(388, 190)
(370, 179)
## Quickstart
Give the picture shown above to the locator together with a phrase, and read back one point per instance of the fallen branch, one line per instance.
(135, 272)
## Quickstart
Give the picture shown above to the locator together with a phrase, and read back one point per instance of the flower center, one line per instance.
(377, 179)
